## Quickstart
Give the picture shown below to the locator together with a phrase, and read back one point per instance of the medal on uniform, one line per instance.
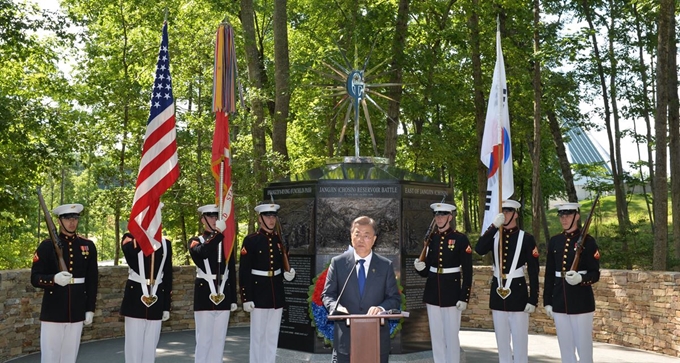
(149, 300)
(216, 298)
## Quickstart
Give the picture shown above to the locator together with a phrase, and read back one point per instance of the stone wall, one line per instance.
(634, 309)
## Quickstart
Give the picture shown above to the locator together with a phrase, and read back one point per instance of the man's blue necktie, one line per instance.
(362, 276)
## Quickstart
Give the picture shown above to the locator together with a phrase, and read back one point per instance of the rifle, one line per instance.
(582, 237)
(426, 242)
(284, 252)
(54, 236)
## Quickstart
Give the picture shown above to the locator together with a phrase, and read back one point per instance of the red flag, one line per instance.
(158, 169)
(224, 77)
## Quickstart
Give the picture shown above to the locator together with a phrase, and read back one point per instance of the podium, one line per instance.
(365, 335)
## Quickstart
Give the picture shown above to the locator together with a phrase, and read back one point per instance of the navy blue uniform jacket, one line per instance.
(448, 249)
(209, 249)
(66, 304)
(564, 297)
(520, 294)
(132, 305)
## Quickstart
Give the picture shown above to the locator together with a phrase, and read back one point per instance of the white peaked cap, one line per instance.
(68, 209)
(511, 204)
(442, 207)
(208, 208)
(262, 208)
(568, 206)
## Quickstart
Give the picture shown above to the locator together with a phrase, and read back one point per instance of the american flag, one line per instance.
(158, 168)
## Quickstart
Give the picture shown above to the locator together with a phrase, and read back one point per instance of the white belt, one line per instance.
(206, 276)
(132, 275)
(448, 270)
(518, 272)
(559, 273)
(266, 273)
(77, 280)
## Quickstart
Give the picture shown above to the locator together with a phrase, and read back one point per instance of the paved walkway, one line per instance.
(479, 347)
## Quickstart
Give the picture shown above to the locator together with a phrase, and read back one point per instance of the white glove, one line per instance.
(461, 305)
(88, 317)
(548, 311)
(248, 306)
(289, 275)
(233, 307)
(419, 265)
(573, 278)
(498, 220)
(62, 278)
(529, 308)
(220, 225)
(166, 316)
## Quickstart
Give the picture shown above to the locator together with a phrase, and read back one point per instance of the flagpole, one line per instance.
(501, 150)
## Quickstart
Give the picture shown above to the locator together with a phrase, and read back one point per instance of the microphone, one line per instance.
(339, 309)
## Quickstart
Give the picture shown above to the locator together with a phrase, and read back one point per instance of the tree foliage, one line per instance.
(75, 88)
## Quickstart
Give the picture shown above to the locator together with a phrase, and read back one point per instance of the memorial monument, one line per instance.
(317, 208)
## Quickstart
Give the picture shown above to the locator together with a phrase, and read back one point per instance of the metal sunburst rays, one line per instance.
(354, 87)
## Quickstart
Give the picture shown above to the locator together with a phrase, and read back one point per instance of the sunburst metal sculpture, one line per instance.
(354, 90)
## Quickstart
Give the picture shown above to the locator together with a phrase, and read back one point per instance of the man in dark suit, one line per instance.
(370, 294)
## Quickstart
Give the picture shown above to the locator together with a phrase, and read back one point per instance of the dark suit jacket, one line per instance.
(380, 290)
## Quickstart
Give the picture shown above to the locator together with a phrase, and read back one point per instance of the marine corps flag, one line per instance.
(496, 149)
(224, 77)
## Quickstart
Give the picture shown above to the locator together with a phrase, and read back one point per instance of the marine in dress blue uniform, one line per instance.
(69, 297)
(511, 300)
(147, 300)
(214, 287)
(448, 268)
(568, 295)
(261, 277)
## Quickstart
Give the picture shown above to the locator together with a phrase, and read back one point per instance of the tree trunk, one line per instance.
(466, 212)
(665, 38)
(614, 155)
(562, 156)
(645, 113)
(281, 78)
(674, 140)
(398, 45)
(480, 110)
(256, 82)
(536, 150)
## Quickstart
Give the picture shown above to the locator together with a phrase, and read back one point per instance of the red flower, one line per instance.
(318, 288)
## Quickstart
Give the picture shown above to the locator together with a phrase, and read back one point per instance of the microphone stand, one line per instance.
(339, 309)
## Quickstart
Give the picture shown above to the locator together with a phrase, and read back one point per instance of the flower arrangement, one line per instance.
(319, 314)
